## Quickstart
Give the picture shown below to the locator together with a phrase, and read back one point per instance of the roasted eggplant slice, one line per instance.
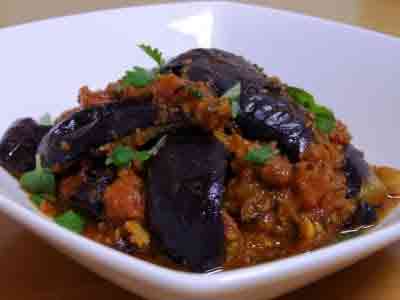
(356, 170)
(18, 145)
(265, 113)
(269, 117)
(185, 189)
(219, 69)
(92, 127)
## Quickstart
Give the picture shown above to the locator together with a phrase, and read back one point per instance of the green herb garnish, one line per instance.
(260, 155)
(141, 155)
(154, 53)
(324, 118)
(39, 181)
(195, 93)
(122, 156)
(37, 199)
(302, 97)
(71, 220)
(138, 77)
(233, 95)
(46, 120)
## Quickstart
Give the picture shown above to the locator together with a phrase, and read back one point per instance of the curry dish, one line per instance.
(202, 163)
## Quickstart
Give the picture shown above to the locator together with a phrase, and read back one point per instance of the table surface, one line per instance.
(32, 270)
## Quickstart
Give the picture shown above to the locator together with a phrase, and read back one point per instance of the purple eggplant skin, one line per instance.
(219, 69)
(88, 199)
(272, 117)
(90, 128)
(19, 144)
(185, 190)
(265, 114)
(356, 170)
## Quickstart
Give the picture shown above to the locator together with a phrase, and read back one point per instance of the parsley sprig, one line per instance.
(39, 181)
(324, 118)
(138, 77)
(71, 221)
(122, 156)
(153, 53)
(261, 155)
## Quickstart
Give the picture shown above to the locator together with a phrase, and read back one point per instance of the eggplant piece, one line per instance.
(19, 144)
(185, 189)
(264, 114)
(356, 170)
(89, 197)
(365, 215)
(219, 69)
(269, 117)
(90, 128)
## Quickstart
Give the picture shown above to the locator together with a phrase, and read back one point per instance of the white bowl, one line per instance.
(353, 71)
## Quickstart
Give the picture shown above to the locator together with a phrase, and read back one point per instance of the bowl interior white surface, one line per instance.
(353, 71)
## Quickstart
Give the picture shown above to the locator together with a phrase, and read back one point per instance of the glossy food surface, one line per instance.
(185, 191)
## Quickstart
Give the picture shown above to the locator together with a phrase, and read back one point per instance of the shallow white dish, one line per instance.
(353, 71)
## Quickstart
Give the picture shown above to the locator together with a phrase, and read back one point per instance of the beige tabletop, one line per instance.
(32, 270)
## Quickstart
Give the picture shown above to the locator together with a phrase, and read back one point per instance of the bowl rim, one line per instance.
(45, 227)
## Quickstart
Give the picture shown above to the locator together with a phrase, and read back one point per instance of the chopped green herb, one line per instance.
(324, 118)
(121, 156)
(302, 97)
(141, 155)
(154, 53)
(46, 120)
(138, 77)
(260, 155)
(38, 181)
(36, 199)
(195, 93)
(71, 220)
(233, 95)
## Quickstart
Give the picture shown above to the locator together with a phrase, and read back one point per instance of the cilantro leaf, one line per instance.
(37, 199)
(302, 97)
(138, 77)
(324, 118)
(233, 95)
(141, 155)
(260, 155)
(72, 221)
(154, 53)
(40, 180)
(121, 156)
